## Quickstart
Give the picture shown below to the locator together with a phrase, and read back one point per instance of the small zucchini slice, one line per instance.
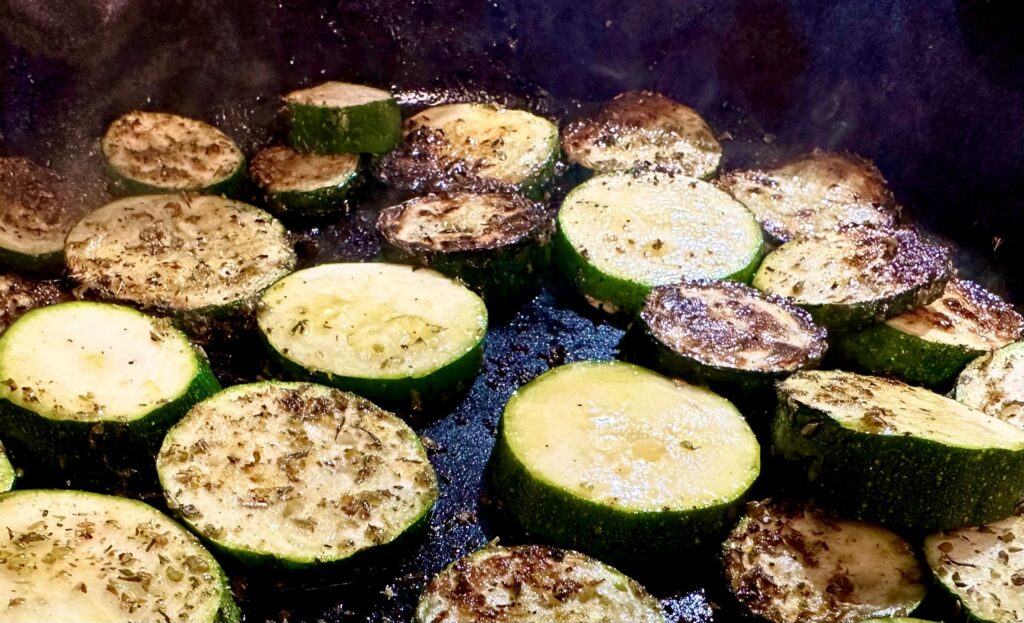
(203, 260)
(37, 209)
(155, 152)
(818, 193)
(7, 473)
(790, 563)
(622, 463)
(19, 295)
(496, 244)
(402, 336)
(896, 620)
(91, 558)
(983, 568)
(90, 388)
(875, 449)
(851, 278)
(994, 383)
(622, 234)
(930, 345)
(475, 148)
(533, 583)
(343, 118)
(295, 475)
(647, 130)
(305, 185)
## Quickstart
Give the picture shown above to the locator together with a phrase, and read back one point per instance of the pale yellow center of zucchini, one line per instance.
(994, 384)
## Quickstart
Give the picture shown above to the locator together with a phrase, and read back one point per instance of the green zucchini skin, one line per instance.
(46, 264)
(7, 474)
(314, 205)
(371, 128)
(235, 185)
(881, 349)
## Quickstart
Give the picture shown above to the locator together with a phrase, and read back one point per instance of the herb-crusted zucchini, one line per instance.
(983, 568)
(643, 129)
(496, 244)
(91, 558)
(794, 564)
(621, 234)
(19, 295)
(343, 118)
(475, 148)
(818, 193)
(154, 152)
(848, 279)
(533, 583)
(296, 475)
(932, 344)
(305, 185)
(7, 473)
(403, 336)
(634, 465)
(876, 449)
(994, 383)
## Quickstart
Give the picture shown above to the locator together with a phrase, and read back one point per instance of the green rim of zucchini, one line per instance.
(343, 118)
(992, 383)
(7, 473)
(305, 185)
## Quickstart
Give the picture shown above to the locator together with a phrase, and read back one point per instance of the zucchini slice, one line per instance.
(533, 583)
(90, 388)
(994, 383)
(155, 152)
(635, 465)
(37, 209)
(402, 336)
(496, 244)
(7, 473)
(622, 234)
(794, 564)
(932, 344)
(198, 258)
(343, 118)
(876, 449)
(727, 334)
(305, 185)
(850, 278)
(473, 147)
(818, 193)
(296, 475)
(643, 129)
(19, 295)
(91, 558)
(983, 568)
(896, 620)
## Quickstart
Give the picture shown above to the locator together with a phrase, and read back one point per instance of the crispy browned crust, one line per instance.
(19, 295)
(964, 300)
(35, 199)
(275, 163)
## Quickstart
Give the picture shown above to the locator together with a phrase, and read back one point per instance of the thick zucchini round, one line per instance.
(983, 568)
(90, 388)
(402, 336)
(154, 152)
(19, 295)
(932, 344)
(878, 450)
(620, 462)
(203, 260)
(495, 244)
(475, 148)
(296, 475)
(305, 185)
(818, 193)
(534, 583)
(7, 473)
(622, 234)
(343, 118)
(994, 383)
(643, 129)
(90, 558)
(856, 276)
(794, 564)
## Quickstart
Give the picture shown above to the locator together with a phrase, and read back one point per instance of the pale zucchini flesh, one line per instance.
(337, 95)
(994, 383)
(7, 473)
(282, 170)
(37, 209)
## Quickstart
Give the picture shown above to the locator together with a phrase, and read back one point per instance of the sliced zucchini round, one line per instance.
(37, 209)
(296, 475)
(850, 278)
(634, 466)
(401, 336)
(343, 118)
(794, 564)
(622, 234)
(983, 568)
(643, 129)
(90, 388)
(19, 295)
(305, 185)
(473, 147)
(155, 152)
(532, 583)
(494, 243)
(91, 558)
(878, 450)
(818, 193)
(198, 258)
(7, 473)
(896, 620)
(994, 383)
(932, 344)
